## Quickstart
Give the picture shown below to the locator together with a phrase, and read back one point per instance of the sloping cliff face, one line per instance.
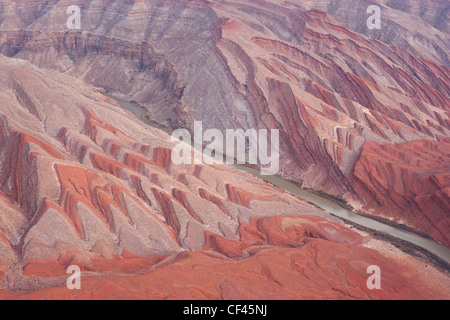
(420, 27)
(412, 179)
(83, 182)
(311, 69)
(128, 69)
(363, 114)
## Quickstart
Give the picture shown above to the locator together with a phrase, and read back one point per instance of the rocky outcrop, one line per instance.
(408, 182)
(130, 70)
(356, 88)
(363, 115)
(99, 190)
(318, 270)
(405, 24)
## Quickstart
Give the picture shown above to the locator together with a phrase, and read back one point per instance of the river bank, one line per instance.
(400, 236)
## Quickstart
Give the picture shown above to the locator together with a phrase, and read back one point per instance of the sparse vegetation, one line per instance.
(342, 202)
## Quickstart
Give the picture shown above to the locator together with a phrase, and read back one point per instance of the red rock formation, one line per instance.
(324, 83)
(113, 204)
(318, 270)
(408, 182)
(84, 182)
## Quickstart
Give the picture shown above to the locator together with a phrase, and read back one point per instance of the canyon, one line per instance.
(363, 115)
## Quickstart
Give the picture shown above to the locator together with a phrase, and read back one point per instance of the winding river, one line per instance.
(322, 202)
(334, 208)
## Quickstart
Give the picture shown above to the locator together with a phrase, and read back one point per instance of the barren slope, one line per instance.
(309, 68)
(83, 182)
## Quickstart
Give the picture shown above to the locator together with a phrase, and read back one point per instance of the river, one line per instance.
(322, 202)
(334, 208)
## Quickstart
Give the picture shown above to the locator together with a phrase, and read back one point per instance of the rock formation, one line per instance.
(363, 115)
(311, 69)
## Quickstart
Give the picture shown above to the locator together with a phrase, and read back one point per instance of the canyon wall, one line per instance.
(363, 115)
(313, 70)
(83, 182)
